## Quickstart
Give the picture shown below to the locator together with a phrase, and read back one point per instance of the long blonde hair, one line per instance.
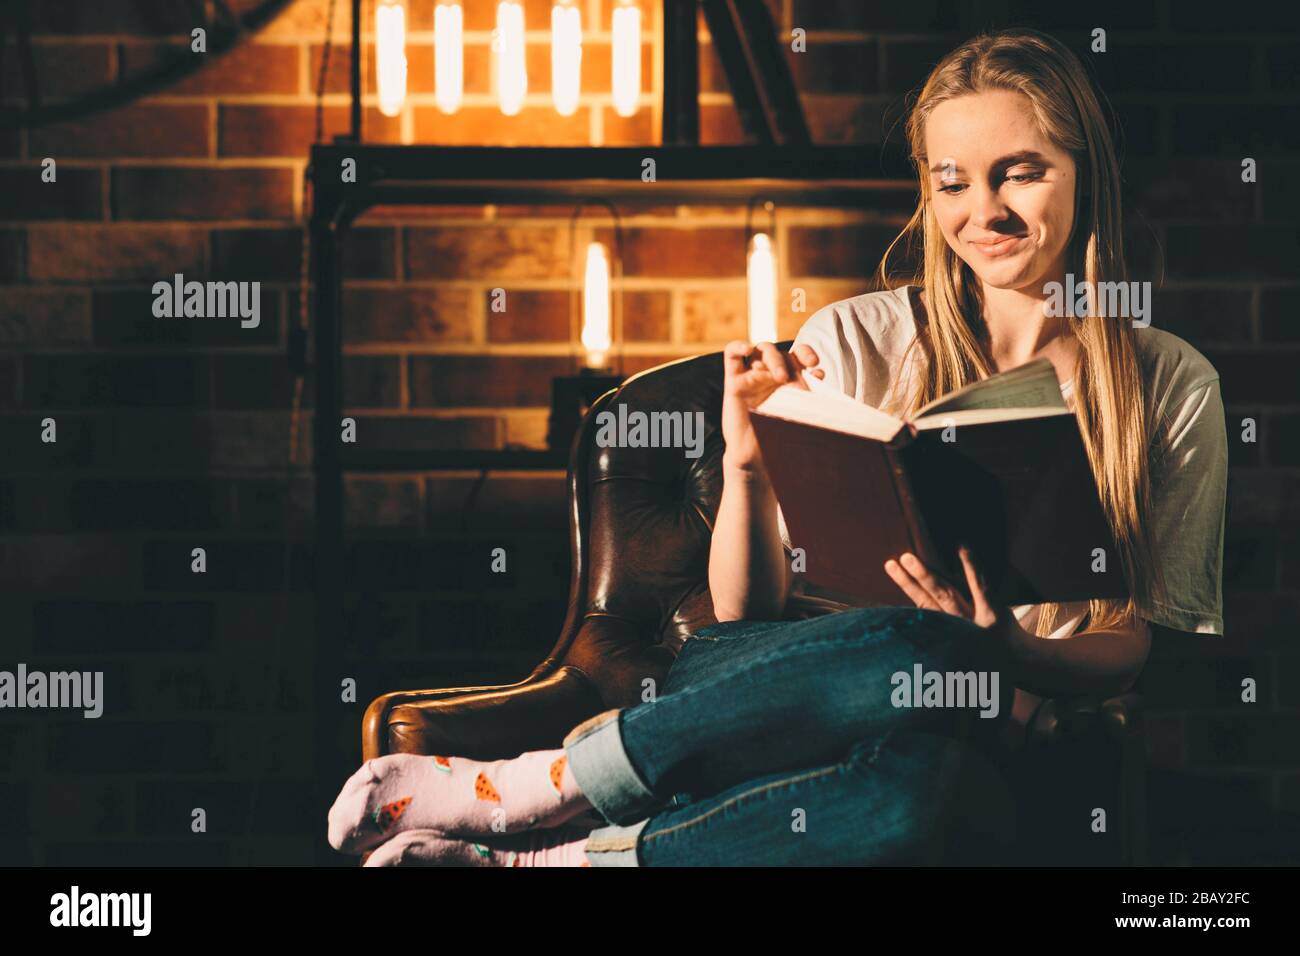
(1108, 386)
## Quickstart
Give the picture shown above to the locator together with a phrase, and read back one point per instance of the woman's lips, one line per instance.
(1000, 247)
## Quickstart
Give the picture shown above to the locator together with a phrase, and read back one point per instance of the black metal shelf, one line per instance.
(836, 176)
(453, 459)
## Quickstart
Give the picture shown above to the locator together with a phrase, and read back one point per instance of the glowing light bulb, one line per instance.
(390, 55)
(762, 289)
(511, 70)
(566, 57)
(595, 305)
(449, 56)
(626, 79)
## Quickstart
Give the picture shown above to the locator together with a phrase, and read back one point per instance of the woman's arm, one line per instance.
(1101, 662)
(748, 574)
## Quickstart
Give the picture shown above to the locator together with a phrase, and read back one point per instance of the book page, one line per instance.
(1032, 385)
(982, 416)
(831, 410)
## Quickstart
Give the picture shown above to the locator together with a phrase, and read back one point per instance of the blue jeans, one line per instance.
(778, 743)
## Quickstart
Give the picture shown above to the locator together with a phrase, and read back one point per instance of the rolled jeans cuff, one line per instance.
(614, 846)
(601, 767)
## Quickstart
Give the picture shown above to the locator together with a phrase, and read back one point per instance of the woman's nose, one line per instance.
(988, 207)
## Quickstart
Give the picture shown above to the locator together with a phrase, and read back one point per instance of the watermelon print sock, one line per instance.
(562, 846)
(454, 795)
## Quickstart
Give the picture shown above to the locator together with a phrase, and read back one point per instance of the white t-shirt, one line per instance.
(862, 345)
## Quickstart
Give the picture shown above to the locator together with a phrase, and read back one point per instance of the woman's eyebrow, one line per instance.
(1021, 156)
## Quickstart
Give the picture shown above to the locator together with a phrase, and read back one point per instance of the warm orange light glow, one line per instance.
(762, 289)
(449, 53)
(390, 55)
(627, 57)
(511, 70)
(566, 57)
(595, 306)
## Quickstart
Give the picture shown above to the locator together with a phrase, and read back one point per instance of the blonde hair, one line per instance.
(1108, 387)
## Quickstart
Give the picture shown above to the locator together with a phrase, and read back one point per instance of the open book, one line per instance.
(998, 465)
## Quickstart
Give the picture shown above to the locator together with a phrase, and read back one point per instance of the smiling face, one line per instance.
(1002, 193)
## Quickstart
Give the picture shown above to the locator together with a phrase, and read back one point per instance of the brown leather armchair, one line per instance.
(640, 521)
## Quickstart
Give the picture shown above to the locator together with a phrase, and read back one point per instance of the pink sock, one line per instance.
(558, 847)
(454, 795)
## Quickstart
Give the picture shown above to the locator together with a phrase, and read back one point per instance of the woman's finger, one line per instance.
(775, 361)
(909, 586)
(803, 358)
(945, 596)
(985, 613)
(736, 355)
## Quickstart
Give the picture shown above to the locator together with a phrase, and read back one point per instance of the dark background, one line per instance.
(175, 434)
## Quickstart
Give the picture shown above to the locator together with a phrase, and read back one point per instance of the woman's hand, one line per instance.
(752, 373)
(928, 590)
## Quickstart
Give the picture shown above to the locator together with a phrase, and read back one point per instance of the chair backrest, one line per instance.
(641, 519)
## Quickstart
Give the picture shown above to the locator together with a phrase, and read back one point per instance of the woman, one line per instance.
(777, 742)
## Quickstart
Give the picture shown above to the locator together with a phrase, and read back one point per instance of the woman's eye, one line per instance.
(953, 188)
(1025, 177)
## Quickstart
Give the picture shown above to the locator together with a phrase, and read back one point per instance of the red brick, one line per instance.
(632, 364)
(372, 381)
(446, 381)
(255, 441)
(417, 315)
(422, 213)
(844, 120)
(12, 255)
(124, 319)
(635, 130)
(719, 125)
(506, 252)
(76, 193)
(250, 68)
(142, 253)
(130, 131)
(84, 17)
(485, 126)
(646, 315)
(483, 16)
(849, 250)
(275, 255)
(43, 317)
(62, 70)
(714, 315)
(700, 252)
(422, 432)
(531, 315)
(502, 503)
(255, 382)
(306, 19)
(161, 192)
(247, 130)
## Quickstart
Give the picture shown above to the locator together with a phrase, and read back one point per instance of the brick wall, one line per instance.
(175, 434)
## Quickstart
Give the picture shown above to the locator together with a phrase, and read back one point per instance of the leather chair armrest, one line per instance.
(485, 723)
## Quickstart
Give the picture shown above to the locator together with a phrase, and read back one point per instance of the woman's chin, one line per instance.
(1004, 275)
